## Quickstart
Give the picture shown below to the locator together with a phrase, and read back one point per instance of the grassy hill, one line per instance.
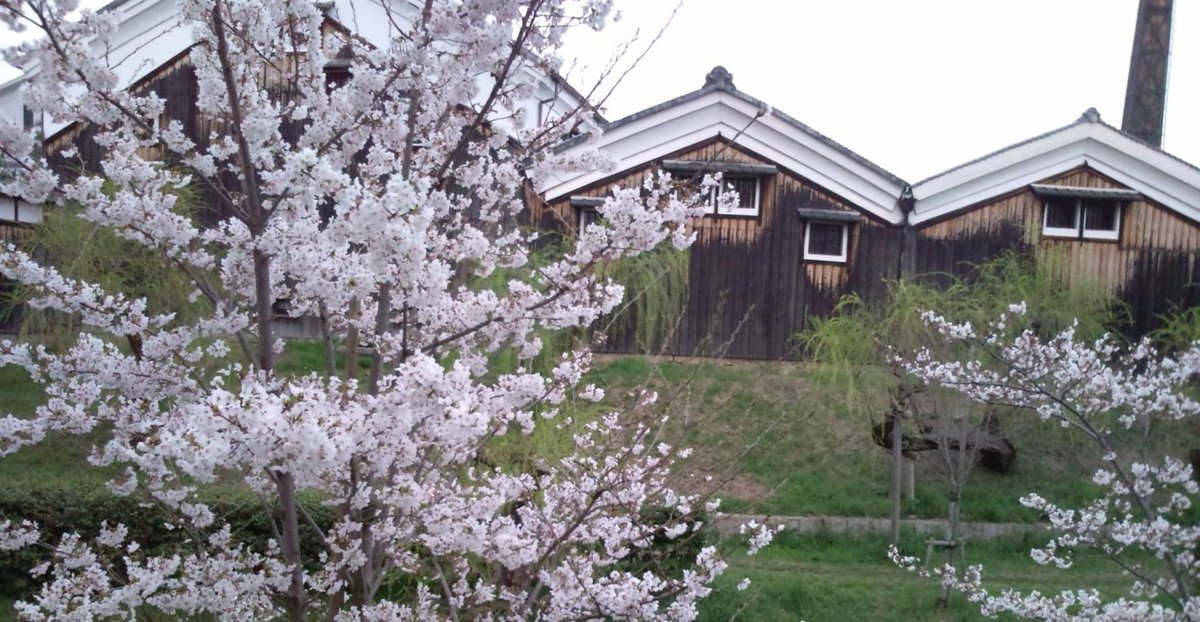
(776, 438)
(800, 442)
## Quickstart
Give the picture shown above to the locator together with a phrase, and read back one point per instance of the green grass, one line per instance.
(54, 461)
(823, 578)
(811, 454)
(785, 431)
(785, 436)
(21, 396)
(302, 357)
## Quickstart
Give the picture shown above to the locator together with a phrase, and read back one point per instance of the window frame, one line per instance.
(1079, 230)
(687, 170)
(1111, 235)
(755, 205)
(586, 212)
(585, 215)
(1060, 232)
(843, 257)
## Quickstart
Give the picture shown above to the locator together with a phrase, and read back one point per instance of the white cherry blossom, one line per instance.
(1117, 397)
(387, 204)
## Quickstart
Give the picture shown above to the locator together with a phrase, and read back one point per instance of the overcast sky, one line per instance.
(916, 86)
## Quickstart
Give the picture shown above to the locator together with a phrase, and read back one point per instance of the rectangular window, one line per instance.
(826, 241)
(1061, 217)
(1101, 219)
(1082, 218)
(747, 189)
(587, 216)
(747, 179)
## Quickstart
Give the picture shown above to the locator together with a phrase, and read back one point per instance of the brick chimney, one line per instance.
(1146, 91)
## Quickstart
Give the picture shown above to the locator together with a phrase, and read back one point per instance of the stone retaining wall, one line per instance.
(856, 526)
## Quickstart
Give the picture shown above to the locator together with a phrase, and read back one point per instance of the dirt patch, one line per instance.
(745, 488)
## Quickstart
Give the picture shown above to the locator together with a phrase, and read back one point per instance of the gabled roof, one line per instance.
(149, 34)
(1156, 174)
(718, 109)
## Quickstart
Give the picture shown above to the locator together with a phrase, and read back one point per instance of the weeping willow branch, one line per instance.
(656, 291)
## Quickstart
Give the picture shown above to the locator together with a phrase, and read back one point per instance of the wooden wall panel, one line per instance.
(175, 82)
(10, 313)
(783, 189)
(750, 290)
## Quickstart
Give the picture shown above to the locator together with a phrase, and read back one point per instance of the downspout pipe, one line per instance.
(908, 235)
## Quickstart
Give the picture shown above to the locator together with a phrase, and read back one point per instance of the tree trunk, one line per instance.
(910, 479)
(897, 476)
(290, 528)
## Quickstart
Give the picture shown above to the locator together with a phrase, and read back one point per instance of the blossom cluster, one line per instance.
(386, 204)
(1118, 397)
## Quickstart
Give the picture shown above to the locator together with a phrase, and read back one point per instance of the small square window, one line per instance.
(748, 189)
(586, 216)
(1101, 219)
(1061, 217)
(826, 241)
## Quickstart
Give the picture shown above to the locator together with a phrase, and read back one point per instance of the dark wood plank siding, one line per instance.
(175, 82)
(1151, 267)
(750, 289)
(11, 313)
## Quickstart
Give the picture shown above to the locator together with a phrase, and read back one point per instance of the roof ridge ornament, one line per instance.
(719, 78)
(1090, 115)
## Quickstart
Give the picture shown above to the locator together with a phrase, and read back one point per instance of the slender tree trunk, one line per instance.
(952, 544)
(350, 365)
(910, 479)
(383, 314)
(897, 476)
(294, 600)
(327, 343)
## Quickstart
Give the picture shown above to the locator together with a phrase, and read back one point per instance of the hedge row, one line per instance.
(59, 510)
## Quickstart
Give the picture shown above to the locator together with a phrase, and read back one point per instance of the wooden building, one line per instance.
(1113, 209)
(16, 218)
(816, 221)
(150, 53)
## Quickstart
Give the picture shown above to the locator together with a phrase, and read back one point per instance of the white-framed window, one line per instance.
(1081, 218)
(826, 241)
(749, 191)
(585, 211)
(585, 217)
(747, 179)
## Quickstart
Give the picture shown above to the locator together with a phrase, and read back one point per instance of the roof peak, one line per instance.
(719, 77)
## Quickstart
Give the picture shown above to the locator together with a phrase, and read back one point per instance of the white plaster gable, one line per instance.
(1154, 173)
(722, 111)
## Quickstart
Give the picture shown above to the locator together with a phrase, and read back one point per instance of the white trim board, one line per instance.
(13, 209)
(720, 113)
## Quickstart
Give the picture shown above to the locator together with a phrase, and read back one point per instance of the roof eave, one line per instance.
(1156, 174)
(719, 111)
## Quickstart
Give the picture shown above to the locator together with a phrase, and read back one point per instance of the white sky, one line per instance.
(916, 86)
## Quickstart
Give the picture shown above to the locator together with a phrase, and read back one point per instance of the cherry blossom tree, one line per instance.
(1120, 398)
(384, 203)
